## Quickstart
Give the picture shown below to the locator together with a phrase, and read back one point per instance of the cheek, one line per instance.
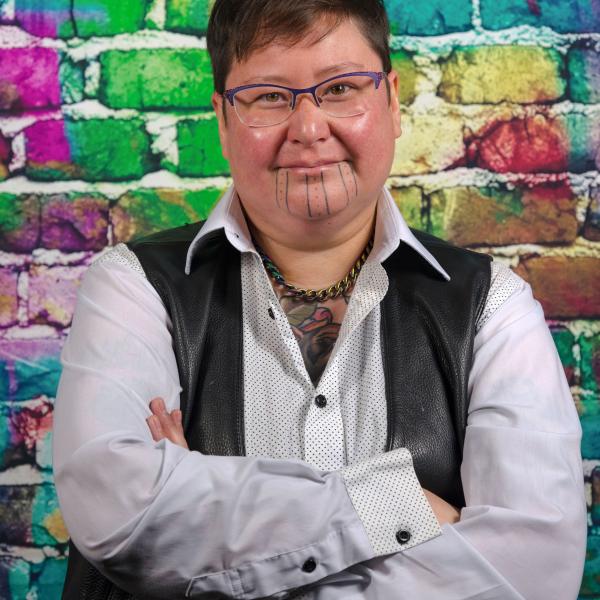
(253, 153)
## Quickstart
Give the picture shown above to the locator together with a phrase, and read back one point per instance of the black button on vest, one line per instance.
(321, 401)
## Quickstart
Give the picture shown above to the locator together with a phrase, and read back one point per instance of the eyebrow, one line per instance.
(322, 73)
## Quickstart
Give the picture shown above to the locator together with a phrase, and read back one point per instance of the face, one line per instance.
(313, 177)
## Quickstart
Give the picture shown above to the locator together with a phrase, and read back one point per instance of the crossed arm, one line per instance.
(192, 523)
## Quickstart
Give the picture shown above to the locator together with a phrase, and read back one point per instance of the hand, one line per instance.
(165, 425)
(444, 512)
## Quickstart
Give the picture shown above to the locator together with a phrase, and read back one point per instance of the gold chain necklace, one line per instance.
(328, 293)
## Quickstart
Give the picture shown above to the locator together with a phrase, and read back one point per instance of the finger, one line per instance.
(157, 406)
(177, 415)
(155, 428)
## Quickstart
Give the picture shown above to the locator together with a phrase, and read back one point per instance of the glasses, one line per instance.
(265, 104)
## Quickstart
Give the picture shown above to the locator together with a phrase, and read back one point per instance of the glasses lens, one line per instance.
(347, 96)
(263, 105)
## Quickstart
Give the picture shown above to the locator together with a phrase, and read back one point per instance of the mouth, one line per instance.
(311, 168)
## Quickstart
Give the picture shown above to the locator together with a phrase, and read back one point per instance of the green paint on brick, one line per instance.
(156, 79)
(507, 203)
(72, 81)
(590, 443)
(590, 585)
(18, 579)
(583, 134)
(590, 363)
(434, 17)
(403, 63)
(143, 212)
(564, 342)
(584, 75)
(199, 149)
(11, 219)
(101, 150)
(478, 75)
(108, 17)
(188, 16)
(410, 202)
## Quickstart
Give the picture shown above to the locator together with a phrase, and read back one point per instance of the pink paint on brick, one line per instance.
(29, 78)
(42, 23)
(46, 142)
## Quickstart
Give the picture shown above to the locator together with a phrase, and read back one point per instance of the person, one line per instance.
(302, 397)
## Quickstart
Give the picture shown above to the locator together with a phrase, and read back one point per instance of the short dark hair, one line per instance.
(236, 28)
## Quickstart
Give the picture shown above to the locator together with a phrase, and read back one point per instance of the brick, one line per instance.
(15, 574)
(53, 293)
(477, 75)
(411, 202)
(567, 16)
(108, 17)
(49, 578)
(567, 288)
(29, 369)
(595, 508)
(8, 297)
(188, 16)
(418, 149)
(19, 222)
(5, 156)
(591, 228)
(27, 434)
(429, 18)
(590, 442)
(74, 222)
(143, 212)
(583, 68)
(590, 363)
(29, 78)
(469, 216)
(199, 149)
(72, 80)
(583, 133)
(403, 63)
(564, 341)
(531, 145)
(23, 513)
(156, 79)
(92, 150)
(45, 18)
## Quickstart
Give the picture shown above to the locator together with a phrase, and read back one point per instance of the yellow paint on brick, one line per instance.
(56, 526)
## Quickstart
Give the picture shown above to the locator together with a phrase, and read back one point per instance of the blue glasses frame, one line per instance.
(376, 76)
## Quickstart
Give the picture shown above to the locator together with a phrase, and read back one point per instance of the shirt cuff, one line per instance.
(390, 502)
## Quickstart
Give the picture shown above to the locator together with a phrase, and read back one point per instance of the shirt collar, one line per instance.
(390, 230)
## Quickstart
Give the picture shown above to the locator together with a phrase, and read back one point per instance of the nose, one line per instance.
(308, 124)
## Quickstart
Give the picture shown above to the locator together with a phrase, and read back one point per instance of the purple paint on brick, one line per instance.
(29, 78)
(42, 23)
(46, 142)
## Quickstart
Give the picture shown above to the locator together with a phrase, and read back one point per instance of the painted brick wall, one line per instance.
(106, 133)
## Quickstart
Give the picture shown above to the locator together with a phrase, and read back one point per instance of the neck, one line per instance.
(324, 262)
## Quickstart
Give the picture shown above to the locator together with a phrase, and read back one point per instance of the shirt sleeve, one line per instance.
(522, 533)
(162, 521)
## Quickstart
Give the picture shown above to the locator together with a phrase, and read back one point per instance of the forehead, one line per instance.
(322, 52)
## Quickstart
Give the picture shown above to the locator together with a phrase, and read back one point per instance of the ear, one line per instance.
(218, 103)
(395, 102)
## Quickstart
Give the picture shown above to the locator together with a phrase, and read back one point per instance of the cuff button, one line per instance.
(309, 565)
(403, 536)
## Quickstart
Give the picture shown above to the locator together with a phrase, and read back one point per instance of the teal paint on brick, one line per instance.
(49, 578)
(565, 16)
(18, 579)
(45, 18)
(590, 585)
(108, 17)
(199, 149)
(590, 443)
(435, 17)
(188, 16)
(36, 378)
(45, 503)
(590, 363)
(156, 79)
(564, 341)
(584, 75)
(583, 135)
(72, 82)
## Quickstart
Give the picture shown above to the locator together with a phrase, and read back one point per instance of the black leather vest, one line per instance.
(427, 332)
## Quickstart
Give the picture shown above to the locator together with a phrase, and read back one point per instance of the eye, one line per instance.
(339, 89)
(272, 97)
